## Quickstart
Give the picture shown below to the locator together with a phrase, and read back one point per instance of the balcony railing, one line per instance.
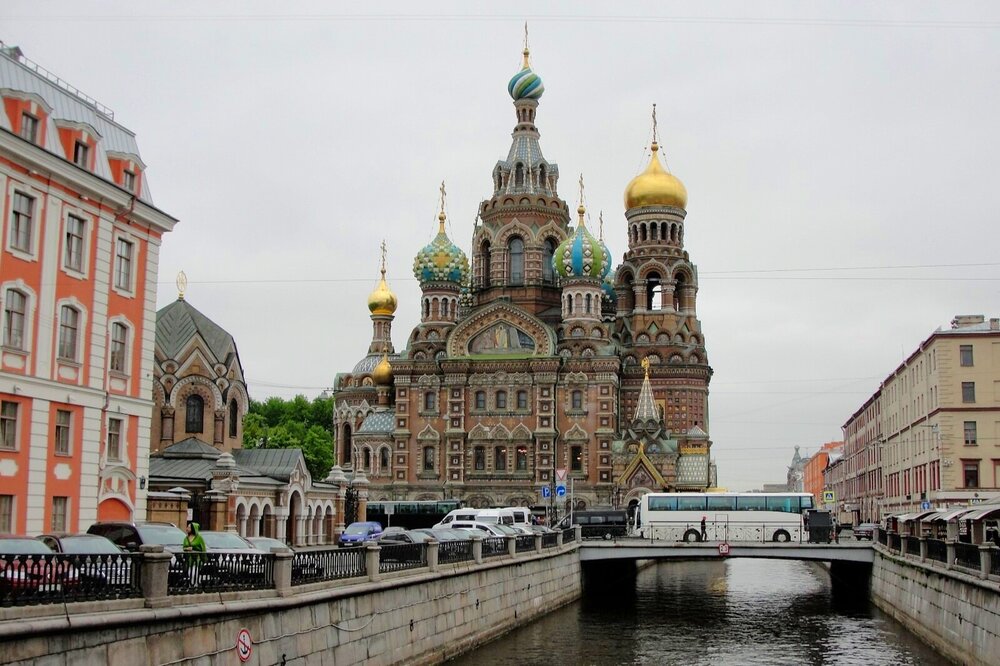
(193, 573)
(44, 579)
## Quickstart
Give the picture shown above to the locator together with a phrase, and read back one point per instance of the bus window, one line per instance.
(662, 503)
(750, 503)
(807, 502)
(721, 503)
(786, 504)
(691, 503)
(597, 520)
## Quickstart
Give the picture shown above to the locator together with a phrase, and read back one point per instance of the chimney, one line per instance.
(964, 321)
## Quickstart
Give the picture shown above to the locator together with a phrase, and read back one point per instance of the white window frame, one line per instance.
(128, 179)
(68, 429)
(63, 351)
(129, 289)
(9, 296)
(37, 213)
(19, 218)
(121, 441)
(81, 149)
(80, 272)
(15, 419)
(81, 332)
(29, 314)
(36, 125)
(65, 514)
(9, 515)
(127, 342)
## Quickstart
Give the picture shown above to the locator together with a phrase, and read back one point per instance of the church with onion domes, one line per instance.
(540, 359)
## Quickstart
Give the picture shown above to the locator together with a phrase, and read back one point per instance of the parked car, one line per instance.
(303, 565)
(267, 543)
(444, 534)
(105, 564)
(486, 530)
(466, 513)
(357, 533)
(406, 536)
(235, 561)
(129, 536)
(26, 566)
(865, 531)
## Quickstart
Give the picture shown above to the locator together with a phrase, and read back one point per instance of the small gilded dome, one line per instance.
(655, 187)
(581, 255)
(382, 374)
(382, 301)
(525, 84)
(441, 260)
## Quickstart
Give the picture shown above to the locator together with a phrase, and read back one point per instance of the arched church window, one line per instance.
(479, 457)
(346, 446)
(519, 175)
(521, 458)
(501, 399)
(522, 399)
(516, 250)
(576, 399)
(428, 458)
(194, 414)
(576, 458)
(480, 399)
(485, 251)
(548, 251)
(429, 401)
(654, 291)
(679, 286)
(444, 308)
(588, 304)
(500, 459)
(368, 460)
(234, 418)
(384, 461)
(542, 177)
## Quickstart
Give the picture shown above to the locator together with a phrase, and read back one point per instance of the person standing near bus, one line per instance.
(704, 532)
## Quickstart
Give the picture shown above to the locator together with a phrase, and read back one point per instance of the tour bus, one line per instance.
(411, 514)
(728, 516)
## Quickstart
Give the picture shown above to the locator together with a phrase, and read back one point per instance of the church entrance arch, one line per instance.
(294, 513)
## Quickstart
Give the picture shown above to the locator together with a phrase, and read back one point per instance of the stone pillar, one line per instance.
(217, 510)
(166, 427)
(360, 483)
(241, 527)
(952, 530)
(949, 560)
(372, 560)
(538, 543)
(923, 549)
(280, 523)
(283, 571)
(155, 569)
(511, 545)
(986, 556)
(432, 554)
(559, 540)
(579, 533)
(300, 530)
(218, 429)
(477, 549)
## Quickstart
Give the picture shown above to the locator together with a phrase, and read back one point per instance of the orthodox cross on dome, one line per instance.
(645, 366)
(526, 51)
(600, 226)
(383, 258)
(182, 283)
(441, 215)
(654, 124)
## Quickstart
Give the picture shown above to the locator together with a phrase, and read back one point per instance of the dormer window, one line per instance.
(128, 180)
(81, 154)
(29, 127)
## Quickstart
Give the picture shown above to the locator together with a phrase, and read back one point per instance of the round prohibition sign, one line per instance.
(244, 645)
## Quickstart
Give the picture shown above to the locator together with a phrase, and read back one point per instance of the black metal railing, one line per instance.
(603, 531)
(333, 564)
(569, 535)
(450, 552)
(45, 579)
(550, 540)
(967, 555)
(401, 556)
(937, 550)
(524, 543)
(494, 546)
(913, 545)
(894, 542)
(995, 562)
(883, 537)
(193, 573)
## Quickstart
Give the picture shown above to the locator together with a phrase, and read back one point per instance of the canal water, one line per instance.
(735, 612)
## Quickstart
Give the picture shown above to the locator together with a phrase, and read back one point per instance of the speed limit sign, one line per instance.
(723, 549)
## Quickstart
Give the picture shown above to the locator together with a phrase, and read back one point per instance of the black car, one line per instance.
(129, 536)
(97, 560)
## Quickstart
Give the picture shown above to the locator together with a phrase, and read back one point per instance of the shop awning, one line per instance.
(907, 517)
(950, 514)
(983, 511)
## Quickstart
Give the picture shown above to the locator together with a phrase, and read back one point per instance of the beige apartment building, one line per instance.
(932, 430)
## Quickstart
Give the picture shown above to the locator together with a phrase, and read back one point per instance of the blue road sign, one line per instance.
(546, 491)
(925, 505)
(561, 491)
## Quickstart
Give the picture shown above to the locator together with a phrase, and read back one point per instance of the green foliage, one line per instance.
(293, 424)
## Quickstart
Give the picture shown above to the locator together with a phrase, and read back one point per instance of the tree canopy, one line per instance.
(293, 424)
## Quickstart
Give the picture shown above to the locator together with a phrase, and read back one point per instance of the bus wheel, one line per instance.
(781, 536)
(692, 535)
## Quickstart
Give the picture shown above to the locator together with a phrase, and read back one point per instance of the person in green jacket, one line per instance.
(194, 543)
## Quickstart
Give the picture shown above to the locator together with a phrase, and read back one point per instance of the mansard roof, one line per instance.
(179, 322)
(379, 422)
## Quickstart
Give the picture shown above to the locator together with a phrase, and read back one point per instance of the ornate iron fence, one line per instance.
(192, 573)
(45, 579)
(450, 552)
(995, 562)
(894, 542)
(883, 537)
(967, 555)
(913, 545)
(494, 546)
(550, 540)
(524, 543)
(569, 535)
(401, 556)
(333, 564)
(937, 550)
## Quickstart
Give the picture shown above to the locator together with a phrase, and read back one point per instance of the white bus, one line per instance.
(728, 516)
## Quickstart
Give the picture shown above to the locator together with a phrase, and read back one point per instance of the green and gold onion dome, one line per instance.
(525, 84)
(655, 187)
(441, 260)
(382, 301)
(582, 255)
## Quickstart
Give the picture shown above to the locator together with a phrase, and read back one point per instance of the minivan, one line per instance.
(499, 516)
(357, 533)
(468, 513)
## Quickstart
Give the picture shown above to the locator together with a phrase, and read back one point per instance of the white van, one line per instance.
(467, 513)
(499, 516)
(482, 528)
(522, 516)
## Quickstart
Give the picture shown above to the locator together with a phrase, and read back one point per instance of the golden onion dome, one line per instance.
(382, 374)
(655, 187)
(382, 301)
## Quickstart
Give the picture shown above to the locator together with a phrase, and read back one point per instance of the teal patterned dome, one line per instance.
(582, 255)
(441, 260)
(608, 288)
(525, 84)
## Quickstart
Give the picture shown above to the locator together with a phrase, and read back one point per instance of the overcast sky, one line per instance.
(841, 162)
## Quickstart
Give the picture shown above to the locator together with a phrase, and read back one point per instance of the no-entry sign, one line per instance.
(244, 644)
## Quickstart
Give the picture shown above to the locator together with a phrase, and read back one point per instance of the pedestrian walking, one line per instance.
(194, 546)
(836, 530)
(704, 532)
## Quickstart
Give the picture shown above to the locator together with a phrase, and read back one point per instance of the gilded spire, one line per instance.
(581, 209)
(182, 283)
(646, 408)
(441, 215)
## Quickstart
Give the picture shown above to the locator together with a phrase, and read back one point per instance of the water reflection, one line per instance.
(730, 613)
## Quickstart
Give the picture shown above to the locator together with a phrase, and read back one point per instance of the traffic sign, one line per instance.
(723, 549)
(925, 505)
(561, 474)
(546, 491)
(244, 645)
(829, 497)
(561, 491)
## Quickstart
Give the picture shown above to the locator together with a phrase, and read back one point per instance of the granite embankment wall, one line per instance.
(957, 613)
(421, 617)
